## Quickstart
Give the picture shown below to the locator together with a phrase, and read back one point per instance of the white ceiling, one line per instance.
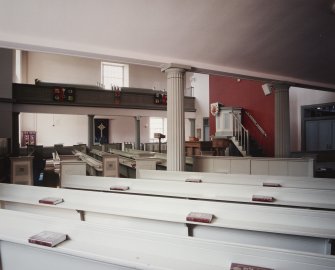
(286, 40)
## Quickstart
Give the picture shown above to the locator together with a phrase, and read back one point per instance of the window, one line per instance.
(113, 74)
(157, 125)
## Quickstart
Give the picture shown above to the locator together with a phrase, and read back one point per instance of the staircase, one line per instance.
(243, 142)
(255, 149)
(240, 136)
(229, 127)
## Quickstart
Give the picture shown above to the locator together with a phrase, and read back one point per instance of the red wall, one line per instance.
(249, 95)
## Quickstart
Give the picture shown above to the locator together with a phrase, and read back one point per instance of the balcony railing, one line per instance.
(128, 98)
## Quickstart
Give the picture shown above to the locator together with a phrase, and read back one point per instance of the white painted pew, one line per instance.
(241, 179)
(289, 228)
(94, 167)
(92, 246)
(69, 167)
(130, 155)
(254, 165)
(311, 198)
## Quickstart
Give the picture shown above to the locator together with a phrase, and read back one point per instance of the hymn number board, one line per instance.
(63, 94)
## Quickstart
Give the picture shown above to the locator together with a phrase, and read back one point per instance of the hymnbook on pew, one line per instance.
(47, 238)
(271, 184)
(122, 188)
(193, 180)
(237, 266)
(51, 200)
(261, 198)
(199, 217)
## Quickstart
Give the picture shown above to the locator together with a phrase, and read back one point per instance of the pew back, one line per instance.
(311, 198)
(240, 179)
(92, 246)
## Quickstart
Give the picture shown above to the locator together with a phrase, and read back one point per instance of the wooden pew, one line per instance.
(255, 165)
(295, 197)
(93, 246)
(130, 161)
(94, 166)
(105, 165)
(129, 158)
(241, 179)
(279, 227)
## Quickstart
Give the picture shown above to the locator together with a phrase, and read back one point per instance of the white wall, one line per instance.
(200, 84)
(300, 97)
(147, 77)
(62, 69)
(122, 129)
(56, 128)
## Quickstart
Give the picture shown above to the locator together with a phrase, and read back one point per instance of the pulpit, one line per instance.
(195, 148)
(220, 145)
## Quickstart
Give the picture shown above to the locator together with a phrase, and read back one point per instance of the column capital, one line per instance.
(174, 67)
(281, 86)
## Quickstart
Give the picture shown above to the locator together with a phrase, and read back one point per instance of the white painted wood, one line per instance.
(22, 170)
(282, 120)
(146, 164)
(175, 117)
(93, 246)
(110, 165)
(241, 179)
(93, 166)
(253, 165)
(314, 198)
(168, 215)
(72, 168)
(241, 166)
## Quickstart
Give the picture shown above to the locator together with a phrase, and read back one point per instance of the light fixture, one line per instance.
(267, 89)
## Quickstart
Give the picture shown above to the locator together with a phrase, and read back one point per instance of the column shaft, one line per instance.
(138, 132)
(282, 122)
(175, 120)
(15, 134)
(90, 130)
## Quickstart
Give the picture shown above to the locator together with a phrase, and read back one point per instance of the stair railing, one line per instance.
(256, 124)
(240, 133)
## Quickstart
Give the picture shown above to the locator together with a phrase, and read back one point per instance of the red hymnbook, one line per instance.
(271, 185)
(199, 217)
(193, 180)
(122, 188)
(47, 238)
(51, 200)
(260, 198)
(237, 266)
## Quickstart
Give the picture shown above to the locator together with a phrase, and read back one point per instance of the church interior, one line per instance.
(167, 134)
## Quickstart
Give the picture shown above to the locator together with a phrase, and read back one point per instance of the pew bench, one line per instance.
(295, 197)
(255, 165)
(94, 246)
(279, 227)
(241, 179)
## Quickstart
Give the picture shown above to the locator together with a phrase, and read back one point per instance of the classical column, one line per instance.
(90, 119)
(192, 127)
(137, 132)
(175, 117)
(15, 134)
(282, 121)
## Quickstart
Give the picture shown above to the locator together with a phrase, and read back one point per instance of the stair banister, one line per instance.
(256, 124)
(240, 133)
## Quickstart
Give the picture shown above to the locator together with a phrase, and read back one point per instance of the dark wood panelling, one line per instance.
(131, 98)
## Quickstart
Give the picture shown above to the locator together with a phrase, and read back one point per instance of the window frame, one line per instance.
(125, 74)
